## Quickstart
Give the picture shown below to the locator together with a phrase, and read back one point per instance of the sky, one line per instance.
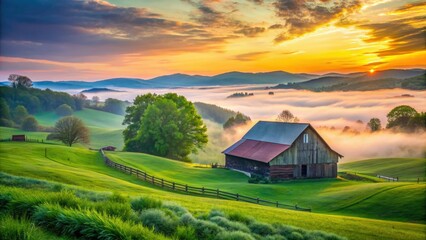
(99, 39)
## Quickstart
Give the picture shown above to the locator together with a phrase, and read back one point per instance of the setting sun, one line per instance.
(372, 71)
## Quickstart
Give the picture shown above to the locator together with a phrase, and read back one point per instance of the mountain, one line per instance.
(98, 90)
(392, 78)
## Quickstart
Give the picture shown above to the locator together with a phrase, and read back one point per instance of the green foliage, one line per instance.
(213, 112)
(22, 229)
(165, 125)
(400, 116)
(177, 209)
(64, 110)
(4, 110)
(229, 225)
(239, 217)
(29, 124)
(374, 125)
(262, 229)
(79, 100)
(206, 229)
(234, 235)
(185, 233)
(143, 203)
(159, 221)
(238, 120)
(6, 122)
(19, 114)
(114, 106)
(70, 130)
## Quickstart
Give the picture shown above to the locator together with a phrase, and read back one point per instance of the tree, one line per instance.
(4, 109)
(417, 122)
(374, 124)
(64, 110)
(70, 130)
(238, 120)
(20, 81)
(19, 114)
(79, 100)
(169, 126)
(400, 116)
(115, 106)
(287, 116)
(29, 124)
(95, 100)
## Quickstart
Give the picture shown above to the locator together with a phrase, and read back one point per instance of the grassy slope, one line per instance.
(105, 128)
(337, 196)
(407, 169)
(85, 168)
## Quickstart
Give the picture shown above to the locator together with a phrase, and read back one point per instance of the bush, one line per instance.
(117, 197)
(230, 225)
(256, 178)
(185, 233)
(234, 236)
(64, 110)
(216, 213)
(6, 122)
(12, 229)
(295, 236)
(88, 224)
(175, 208)
(142, 203)
(29, 124)
(274, 237)
(157, 219)
(206, 230)
(262, 229)
(187, 219)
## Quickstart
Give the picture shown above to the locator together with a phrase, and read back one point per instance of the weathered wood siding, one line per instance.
(319, 159)
(247, 165)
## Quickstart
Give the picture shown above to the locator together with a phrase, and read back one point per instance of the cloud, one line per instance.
(410, 6)
(276, 26)
(401, 36)
(374, 64)
(250, 31)
(304, 16)
(68, 30)
(250, 56)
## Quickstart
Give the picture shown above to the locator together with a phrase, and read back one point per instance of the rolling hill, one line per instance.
(84, 169)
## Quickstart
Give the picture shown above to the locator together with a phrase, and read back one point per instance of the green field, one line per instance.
(406, 169)
(84, 168)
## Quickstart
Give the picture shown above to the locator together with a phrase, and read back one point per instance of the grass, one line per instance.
(337, 196)
(85, 169)
(406, 169)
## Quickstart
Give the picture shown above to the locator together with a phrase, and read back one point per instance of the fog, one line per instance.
(328, 112)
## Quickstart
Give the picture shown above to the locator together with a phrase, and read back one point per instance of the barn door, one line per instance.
(304, 170)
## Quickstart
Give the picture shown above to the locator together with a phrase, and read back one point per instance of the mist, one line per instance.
(328, 112)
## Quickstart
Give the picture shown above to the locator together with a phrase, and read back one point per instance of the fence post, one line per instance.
(144, 176)
(277, 203)
(202, 190)
(238, 197)
(153, 180)
(162, 183)
(173, 185)
(397, 179)
(257, 200)
(186, 187)
(217, 193)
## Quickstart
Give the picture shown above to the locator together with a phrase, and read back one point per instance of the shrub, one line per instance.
(262, 229)
(206, 230)
(117, 197)
(157, 219)
(236, 216)
(295, 236)
(229, 225)
(19, 114)
(116, 209)
(320, 235)
(6, 122)
(176, 208)
(185, 233)
(142, 203)
(29, 124)
(215, 213)
(64, 110)
(12, 229)
(236, 235)
(88, 224)
(187, 219)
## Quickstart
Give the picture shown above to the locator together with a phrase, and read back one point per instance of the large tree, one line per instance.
(237, 120)
(20, 81)
(287, 116)
(19, 114)
(164, 125)
(374, 124)
(70, 130)
(400, 116)
(29, 124)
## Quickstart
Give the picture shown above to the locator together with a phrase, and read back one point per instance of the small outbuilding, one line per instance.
(18, 138)
(109, 148)
(283, 151)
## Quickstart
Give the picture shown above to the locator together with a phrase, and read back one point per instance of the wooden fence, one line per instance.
(26, 140)
(195, 190)
(389, 178)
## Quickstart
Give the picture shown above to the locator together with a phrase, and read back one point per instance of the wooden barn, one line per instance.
(283, 150)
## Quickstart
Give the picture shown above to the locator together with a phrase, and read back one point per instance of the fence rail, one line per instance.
(195, 190)
(393, 179)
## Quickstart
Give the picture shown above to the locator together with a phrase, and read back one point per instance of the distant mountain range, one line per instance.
(414, 79)
(330, 81)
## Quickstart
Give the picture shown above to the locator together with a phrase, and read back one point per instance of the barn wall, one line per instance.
(247, 165)
(319, 159)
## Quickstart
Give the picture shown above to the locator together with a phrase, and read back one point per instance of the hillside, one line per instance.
(407, 79)
(213, 112)
(406, 169)
(84, 168)
(337, 196)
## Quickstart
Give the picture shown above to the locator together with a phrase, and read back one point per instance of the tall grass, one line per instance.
(14, 229)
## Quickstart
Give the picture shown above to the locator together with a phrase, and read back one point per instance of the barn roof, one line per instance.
(276, 132)
(256, 150)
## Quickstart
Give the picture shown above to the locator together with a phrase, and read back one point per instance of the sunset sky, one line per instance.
(98, 39)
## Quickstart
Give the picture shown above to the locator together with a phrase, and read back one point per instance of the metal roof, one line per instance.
(256, 150)
(276, 132)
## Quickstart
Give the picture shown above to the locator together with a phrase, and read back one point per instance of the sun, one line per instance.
(372, 70)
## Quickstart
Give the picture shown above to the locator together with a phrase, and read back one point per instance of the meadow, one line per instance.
(84, 169)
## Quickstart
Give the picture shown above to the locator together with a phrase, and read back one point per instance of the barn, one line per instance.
(282, 151)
